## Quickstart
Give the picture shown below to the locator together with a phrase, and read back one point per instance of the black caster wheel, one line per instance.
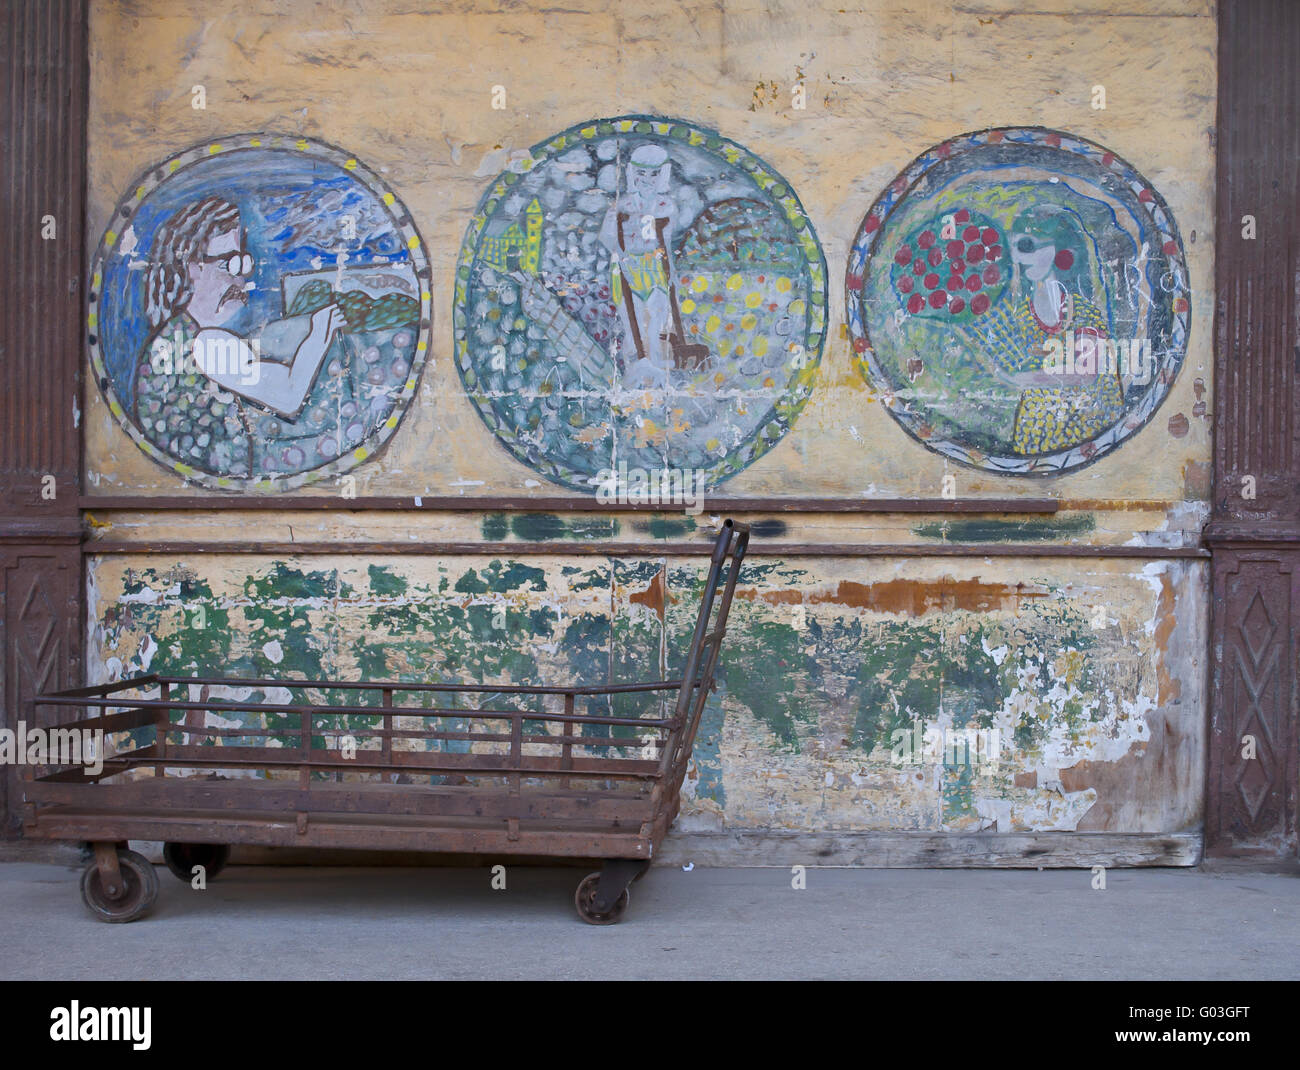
(181, 858)
(585, 900)
(137, 896)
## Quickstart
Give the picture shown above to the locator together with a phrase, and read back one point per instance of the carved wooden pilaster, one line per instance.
(1254, 534)
(42, 226)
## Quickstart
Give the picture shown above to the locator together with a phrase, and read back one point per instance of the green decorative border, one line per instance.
(773, 185)
(125, 211)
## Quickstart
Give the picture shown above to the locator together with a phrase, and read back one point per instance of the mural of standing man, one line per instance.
(639, 231)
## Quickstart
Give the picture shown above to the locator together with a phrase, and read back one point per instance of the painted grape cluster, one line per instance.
(952, 268)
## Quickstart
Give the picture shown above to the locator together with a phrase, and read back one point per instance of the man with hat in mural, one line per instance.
(638, 231)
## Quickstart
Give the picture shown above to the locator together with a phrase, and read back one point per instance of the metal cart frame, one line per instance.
(541, 782)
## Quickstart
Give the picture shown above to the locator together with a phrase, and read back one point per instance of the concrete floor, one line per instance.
(298, 922)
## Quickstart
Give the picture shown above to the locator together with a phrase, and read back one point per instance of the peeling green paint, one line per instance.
(383, 581)
(806, 681)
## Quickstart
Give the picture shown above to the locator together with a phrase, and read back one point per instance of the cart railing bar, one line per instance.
(539, 765)
(108, 689)
(125, 720)
(222, 706)
(378, 685)
(411, 733)
(113, 764)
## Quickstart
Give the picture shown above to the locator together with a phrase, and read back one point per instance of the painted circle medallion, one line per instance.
(1019, 297)
(639, 291)
(259, 312)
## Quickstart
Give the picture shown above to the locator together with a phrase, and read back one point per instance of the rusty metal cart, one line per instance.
(385, 765)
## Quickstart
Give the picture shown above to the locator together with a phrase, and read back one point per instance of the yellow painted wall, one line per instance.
(410, 95)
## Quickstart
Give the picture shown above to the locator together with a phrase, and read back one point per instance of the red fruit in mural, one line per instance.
(955, 282)
(955, 249)
(931, 281)
(979, 303)
(919, 265)
(975, 254)
(956, 305)
(904, 255)
(973, 283)
(971, 233)
(989, 236)
(905, 284)
(915, 303)
(926, 239)
(962, 216)
(935, 257)
(938, 299)
(991, 275)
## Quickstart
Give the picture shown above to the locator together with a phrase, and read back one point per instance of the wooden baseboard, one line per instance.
(762, 847)
(931, 850)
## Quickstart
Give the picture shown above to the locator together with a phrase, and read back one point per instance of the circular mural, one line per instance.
(1019, 297)
(639, 292)
(259, 312)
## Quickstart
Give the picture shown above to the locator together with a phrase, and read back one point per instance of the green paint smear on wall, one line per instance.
(384, 581)
(765, 666)
(989, 530)
(669, 527)
(547, 527)
(499, 579)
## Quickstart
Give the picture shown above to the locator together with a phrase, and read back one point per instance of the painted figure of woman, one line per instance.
(1046, 338)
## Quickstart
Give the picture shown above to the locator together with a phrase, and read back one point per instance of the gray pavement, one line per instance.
(300, 922)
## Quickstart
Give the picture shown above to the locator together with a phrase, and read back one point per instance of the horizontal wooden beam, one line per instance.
(565, 548)
(571, 504)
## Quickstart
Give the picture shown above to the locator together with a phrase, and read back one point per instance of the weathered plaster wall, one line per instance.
(1084, 674)
(1091, 669)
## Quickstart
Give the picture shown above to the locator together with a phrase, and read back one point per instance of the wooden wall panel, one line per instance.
(1255, 529)
(43, 43)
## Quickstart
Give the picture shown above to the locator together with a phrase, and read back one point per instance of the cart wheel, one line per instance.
(181, 858)
(137, 898)
(585, 900)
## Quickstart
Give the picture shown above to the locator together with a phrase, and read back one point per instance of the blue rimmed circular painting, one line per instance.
(1019, 297)
(639, 291)
(259, 312)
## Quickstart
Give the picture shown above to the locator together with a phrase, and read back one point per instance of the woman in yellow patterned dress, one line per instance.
(1046, 339)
